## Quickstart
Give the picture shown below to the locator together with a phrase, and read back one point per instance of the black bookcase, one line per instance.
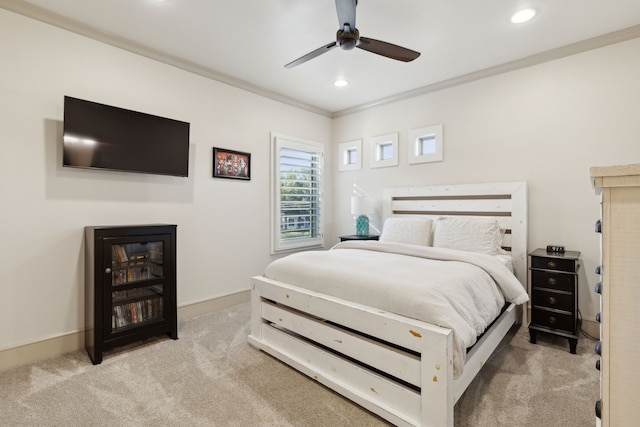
(130, 285)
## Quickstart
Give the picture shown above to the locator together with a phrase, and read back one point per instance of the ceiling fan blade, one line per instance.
(311, 55)
(346, 13)
(387, 49)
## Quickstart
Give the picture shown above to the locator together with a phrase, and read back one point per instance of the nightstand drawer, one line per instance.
(558, 264)
(551, 280)
(555, 300)
(553, 320)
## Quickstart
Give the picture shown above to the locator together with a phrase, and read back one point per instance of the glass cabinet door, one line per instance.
(135, 262)
(137, 283)
(135, 307)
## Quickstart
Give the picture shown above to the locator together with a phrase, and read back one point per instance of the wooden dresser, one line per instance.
(619, 346)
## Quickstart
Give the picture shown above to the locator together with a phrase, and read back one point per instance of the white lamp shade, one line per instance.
(362, 205)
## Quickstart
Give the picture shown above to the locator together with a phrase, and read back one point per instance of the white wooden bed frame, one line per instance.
(397, 367)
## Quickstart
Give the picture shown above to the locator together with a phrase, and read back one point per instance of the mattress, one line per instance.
(459, 290)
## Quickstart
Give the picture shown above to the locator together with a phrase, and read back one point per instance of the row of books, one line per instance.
(135, 274)
(136, 252)
(119, 253)
(136, 312)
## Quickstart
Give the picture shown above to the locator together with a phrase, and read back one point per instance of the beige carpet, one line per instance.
(212, 377)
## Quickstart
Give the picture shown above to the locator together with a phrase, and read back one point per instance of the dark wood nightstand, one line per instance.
(356, 237)
(554, 294)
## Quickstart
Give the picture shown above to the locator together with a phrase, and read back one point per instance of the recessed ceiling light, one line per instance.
(340, 83)
(523, 16)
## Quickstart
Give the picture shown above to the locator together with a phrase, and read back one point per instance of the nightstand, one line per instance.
(554, 295)
(356, 237)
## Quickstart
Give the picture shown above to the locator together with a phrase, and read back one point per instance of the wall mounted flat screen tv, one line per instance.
(104, 137)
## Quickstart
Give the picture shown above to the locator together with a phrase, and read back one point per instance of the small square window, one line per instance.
(384, 151)
(425, 145)
(350, 155)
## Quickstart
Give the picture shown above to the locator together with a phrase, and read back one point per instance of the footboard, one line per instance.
(396, 367)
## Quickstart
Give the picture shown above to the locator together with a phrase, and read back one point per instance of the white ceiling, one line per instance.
(248, 42)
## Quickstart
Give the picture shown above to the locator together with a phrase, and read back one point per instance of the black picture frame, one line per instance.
(231, 164)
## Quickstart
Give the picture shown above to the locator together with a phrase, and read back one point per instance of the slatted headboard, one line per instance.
(504, 201)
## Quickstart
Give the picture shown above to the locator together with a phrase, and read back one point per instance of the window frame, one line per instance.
(415, 140)
(377, 144)
(279, 245)
(344, 150)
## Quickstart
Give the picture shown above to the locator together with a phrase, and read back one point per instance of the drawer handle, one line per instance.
(598, 288)
(598, 226)
(552, 281)
(598, 318)
(599, 269)
(552, 300)
(551, 264)
(552, 320)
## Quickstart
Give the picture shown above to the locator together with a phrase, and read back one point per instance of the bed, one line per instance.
(406, 370)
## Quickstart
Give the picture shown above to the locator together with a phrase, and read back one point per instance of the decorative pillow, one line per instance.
(415, 231)
(465, 233)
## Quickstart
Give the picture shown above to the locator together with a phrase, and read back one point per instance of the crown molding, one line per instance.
(36, 12)
(32, 11)
(547, 56)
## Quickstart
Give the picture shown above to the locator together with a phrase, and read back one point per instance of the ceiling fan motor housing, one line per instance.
(347, 40)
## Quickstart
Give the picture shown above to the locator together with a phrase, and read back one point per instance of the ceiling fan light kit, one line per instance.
(348, 37)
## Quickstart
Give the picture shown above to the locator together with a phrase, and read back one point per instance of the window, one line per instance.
(425, 145)
(352, 157)
(297, 185)
(349, 157)
(384, 151)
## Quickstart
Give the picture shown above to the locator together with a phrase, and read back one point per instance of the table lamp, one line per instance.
(362, 207)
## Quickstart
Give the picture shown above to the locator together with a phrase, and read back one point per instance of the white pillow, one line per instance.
(465, 233)
(415, 231)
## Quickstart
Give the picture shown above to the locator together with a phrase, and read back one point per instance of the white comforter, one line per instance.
(462, 291)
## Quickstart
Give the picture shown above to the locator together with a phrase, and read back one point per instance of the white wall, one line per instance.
(223, 225)
(546, 125)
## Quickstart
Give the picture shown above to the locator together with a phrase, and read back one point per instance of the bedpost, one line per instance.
(437, 398)
(256, 315)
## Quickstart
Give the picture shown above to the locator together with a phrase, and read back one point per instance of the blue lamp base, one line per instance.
(362, 226)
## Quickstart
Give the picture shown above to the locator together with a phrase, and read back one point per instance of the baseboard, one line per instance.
(40, 350)
(52, 347)
(190, 311)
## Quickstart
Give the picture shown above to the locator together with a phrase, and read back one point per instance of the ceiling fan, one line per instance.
(348, 37)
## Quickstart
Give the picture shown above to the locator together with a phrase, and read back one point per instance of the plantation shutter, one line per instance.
(298, 207)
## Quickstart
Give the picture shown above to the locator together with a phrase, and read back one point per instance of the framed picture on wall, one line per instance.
(231, 164)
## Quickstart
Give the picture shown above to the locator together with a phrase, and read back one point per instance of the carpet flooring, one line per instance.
(210, 376)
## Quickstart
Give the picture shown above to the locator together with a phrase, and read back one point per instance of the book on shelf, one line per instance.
(119, 253)
(136, 312)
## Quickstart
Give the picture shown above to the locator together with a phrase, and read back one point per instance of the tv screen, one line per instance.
(105, 137)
